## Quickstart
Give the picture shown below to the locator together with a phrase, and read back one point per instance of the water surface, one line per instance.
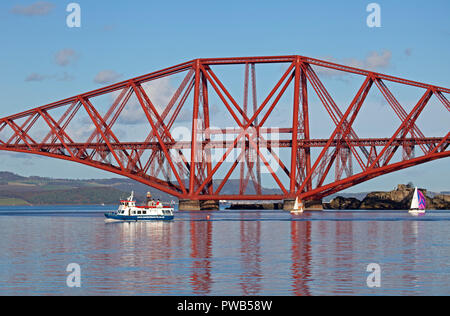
(223, 253)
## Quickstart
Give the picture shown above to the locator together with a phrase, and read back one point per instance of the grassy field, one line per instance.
(12, 202)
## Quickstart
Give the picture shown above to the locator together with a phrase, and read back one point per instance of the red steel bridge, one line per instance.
(229, 136)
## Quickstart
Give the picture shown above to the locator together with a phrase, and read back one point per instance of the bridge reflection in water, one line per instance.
(301, 257)
(201, 255)
(228, 253)
(204, 256)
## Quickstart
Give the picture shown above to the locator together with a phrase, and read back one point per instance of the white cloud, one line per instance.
(160, 92)
(132, 113)
(374, 61)
(35, 77)
(109, 27)
(377, 61)
(107, 76)
(36, 9)
(17, 155)
(80, 131)
(65, 57)
(66, 77)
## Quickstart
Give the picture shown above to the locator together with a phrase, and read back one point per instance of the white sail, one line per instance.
(298, 206)
(415, 201)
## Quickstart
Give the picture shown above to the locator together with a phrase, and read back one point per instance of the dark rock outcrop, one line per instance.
(439, 202)
(398, 199)
(342, 203)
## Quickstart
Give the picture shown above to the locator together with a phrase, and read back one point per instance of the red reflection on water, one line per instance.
(344, 254)
(201, 251)
(410, 239)
(250, 232)
(301, 257)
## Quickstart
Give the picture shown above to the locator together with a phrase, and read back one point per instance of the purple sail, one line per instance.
(422, 201)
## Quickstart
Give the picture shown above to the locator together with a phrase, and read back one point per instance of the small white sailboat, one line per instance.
(418, 203)
(298, 207)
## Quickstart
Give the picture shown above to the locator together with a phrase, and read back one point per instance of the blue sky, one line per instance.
(42, 60)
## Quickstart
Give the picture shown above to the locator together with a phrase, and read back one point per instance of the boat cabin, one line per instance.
(128, 203)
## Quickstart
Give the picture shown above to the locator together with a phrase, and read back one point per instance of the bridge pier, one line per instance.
(310, 205)
(197, 205)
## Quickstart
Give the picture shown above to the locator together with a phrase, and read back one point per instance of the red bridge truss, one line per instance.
(100, 129)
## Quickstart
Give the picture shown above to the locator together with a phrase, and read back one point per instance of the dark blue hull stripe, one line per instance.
(140, 217)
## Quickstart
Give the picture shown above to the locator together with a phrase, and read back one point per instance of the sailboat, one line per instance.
(298, 207)
(418, 203)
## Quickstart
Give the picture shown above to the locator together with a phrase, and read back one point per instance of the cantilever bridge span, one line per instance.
(238, 125)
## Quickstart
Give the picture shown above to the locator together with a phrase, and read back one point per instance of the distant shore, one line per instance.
(397, 199)
(16, 190)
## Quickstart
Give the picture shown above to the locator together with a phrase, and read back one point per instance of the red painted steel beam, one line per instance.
(285, 143)
(368, 175)
(102, 143)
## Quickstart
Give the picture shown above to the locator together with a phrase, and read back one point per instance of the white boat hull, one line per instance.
(416, 212)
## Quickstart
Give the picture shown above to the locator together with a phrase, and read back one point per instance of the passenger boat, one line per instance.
(418, 203)
(128, 211)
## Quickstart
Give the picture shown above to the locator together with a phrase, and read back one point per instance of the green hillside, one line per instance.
(12, 201)
(17, 190)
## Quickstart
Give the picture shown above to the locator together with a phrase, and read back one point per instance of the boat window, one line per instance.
(144, 212)
(139, 212)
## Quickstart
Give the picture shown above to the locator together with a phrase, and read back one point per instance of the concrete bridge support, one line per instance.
(196, 205)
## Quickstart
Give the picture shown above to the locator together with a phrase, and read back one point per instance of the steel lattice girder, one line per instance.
(195, 173)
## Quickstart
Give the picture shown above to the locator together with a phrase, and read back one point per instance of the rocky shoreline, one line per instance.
(397, 199)
(256, 206)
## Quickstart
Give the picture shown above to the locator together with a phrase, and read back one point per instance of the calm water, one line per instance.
(229, 253)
